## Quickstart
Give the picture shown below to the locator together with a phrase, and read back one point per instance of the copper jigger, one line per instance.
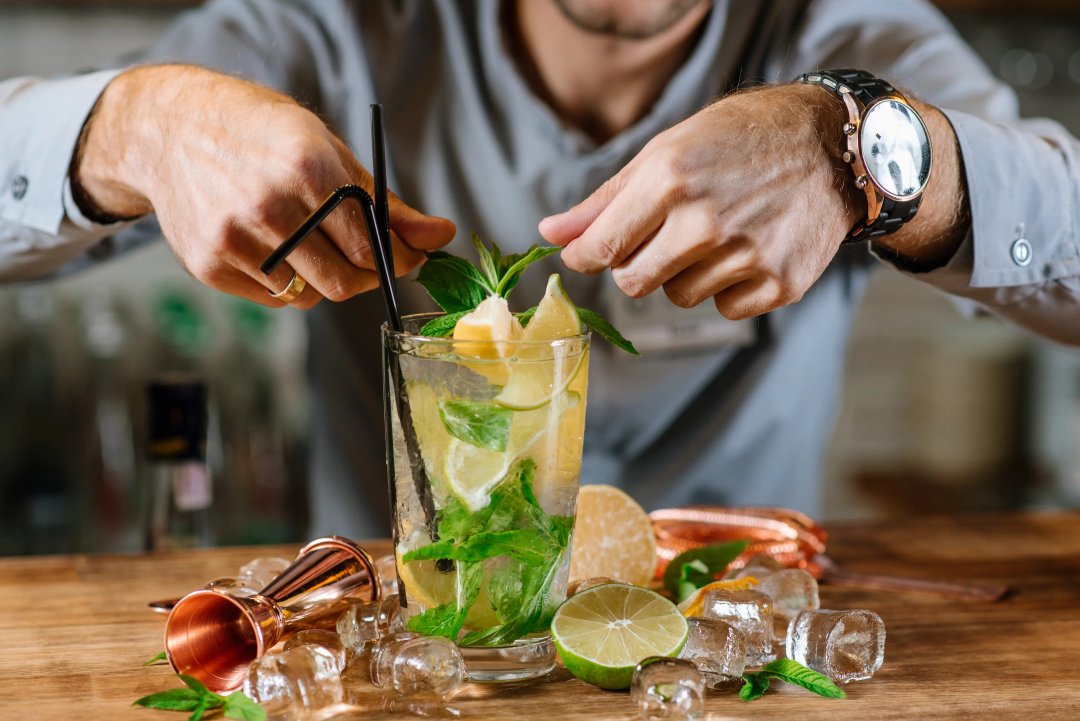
(213, 636)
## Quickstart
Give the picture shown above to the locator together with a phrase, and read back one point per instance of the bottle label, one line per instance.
(191, 487)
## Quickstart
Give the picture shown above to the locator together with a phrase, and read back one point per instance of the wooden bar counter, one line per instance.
(74, 631)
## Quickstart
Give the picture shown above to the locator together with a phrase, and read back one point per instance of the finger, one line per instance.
(415, 229)
(321, 263)
(705, 278)
(628, 221)
(748, 298)
(238, 283)
(659, 259)
(564, 227)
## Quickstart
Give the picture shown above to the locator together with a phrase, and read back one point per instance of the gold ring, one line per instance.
(292, 291)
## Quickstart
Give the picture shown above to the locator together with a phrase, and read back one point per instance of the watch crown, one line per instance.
(861, 181)
(849, 128)
(849, 157)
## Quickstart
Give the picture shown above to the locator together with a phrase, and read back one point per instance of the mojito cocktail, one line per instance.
(487, 427)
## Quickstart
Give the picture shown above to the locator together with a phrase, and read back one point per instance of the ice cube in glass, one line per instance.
(233, 586)
(843, 645)
(259, 572)
(668, 688)
(792, 590)
(324, 642)
(364, 623)
(717, 648)
(749, 611)
(292, 684)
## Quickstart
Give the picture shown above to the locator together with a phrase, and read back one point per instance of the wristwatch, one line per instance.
(887, 145)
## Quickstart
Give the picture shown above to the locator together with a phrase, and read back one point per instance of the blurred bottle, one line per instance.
(36, 471)
(106, 435)
(256, 506)
(178, 478)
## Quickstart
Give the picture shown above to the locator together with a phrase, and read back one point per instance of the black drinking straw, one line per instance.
(377, 220)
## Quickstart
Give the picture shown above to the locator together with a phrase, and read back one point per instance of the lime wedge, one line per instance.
(603, 632)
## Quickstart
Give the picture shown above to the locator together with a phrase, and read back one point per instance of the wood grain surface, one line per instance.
(74, 631)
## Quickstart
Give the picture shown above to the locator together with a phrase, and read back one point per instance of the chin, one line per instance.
(632, 19)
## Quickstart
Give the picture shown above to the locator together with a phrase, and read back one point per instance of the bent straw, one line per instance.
(380, 250)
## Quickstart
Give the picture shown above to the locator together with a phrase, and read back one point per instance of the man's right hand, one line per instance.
(231, 168)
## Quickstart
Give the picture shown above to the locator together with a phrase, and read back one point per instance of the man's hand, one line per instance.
(231, 168)
(745, 202)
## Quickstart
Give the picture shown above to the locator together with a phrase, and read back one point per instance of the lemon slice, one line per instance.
(543, 371)
(694, 604)
(482, 333)
(602, 633)
(613, 537)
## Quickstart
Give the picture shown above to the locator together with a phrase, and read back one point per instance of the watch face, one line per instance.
(895, 148)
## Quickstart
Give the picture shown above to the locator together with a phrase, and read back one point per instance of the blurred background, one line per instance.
(940, 412)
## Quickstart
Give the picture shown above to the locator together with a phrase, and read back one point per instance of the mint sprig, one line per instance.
(756, 684)
(156, 660)
(699, 567)
(198, 699)
(458, 286)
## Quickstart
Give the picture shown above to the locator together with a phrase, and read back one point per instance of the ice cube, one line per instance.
(749, 611)
(668, 688)
(587, 583)
(718, 649)
(294, 683)
(427, 667)
(383, 652)
(365, 623)
(259, 572)
(328, 643)
(232, 586)
(758, 566)
(792, 590)
(843, 645)
(386, 567)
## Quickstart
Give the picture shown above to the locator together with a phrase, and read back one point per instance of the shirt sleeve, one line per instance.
(42, 230)
(1021, 259)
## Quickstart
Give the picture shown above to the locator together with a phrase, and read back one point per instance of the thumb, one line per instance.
(423, 232)
(564, 227)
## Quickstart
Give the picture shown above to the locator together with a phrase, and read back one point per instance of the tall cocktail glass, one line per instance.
(484, 466)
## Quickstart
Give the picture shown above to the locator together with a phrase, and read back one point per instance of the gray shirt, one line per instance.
(716, 422)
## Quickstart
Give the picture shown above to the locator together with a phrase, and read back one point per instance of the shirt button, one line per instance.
(1021, 251)
(19, 186)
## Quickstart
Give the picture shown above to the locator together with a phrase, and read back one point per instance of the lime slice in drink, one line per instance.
(603, 632)
(473, 472)
(544, 371)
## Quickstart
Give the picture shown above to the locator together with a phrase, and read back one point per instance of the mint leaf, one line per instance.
(794, 672)
(692, 576)
(484, 425)
(197, 685)
(204, 705)
(715, 557)
(525, 316)
(754, 687)
(453, 283)
(444, 620)
(176, 699)
(454, 519)
(239, 706)
(592, 320)
(443, 548)
(157, 659)
(442, 326)
(510, 276)
(489, 259)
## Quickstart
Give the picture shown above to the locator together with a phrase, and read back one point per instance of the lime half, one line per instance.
(603, 632)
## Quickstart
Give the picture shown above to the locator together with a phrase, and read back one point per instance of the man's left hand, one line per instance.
(745, 202)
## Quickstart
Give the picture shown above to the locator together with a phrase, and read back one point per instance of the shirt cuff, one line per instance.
(1022, 186)
(39, 128)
